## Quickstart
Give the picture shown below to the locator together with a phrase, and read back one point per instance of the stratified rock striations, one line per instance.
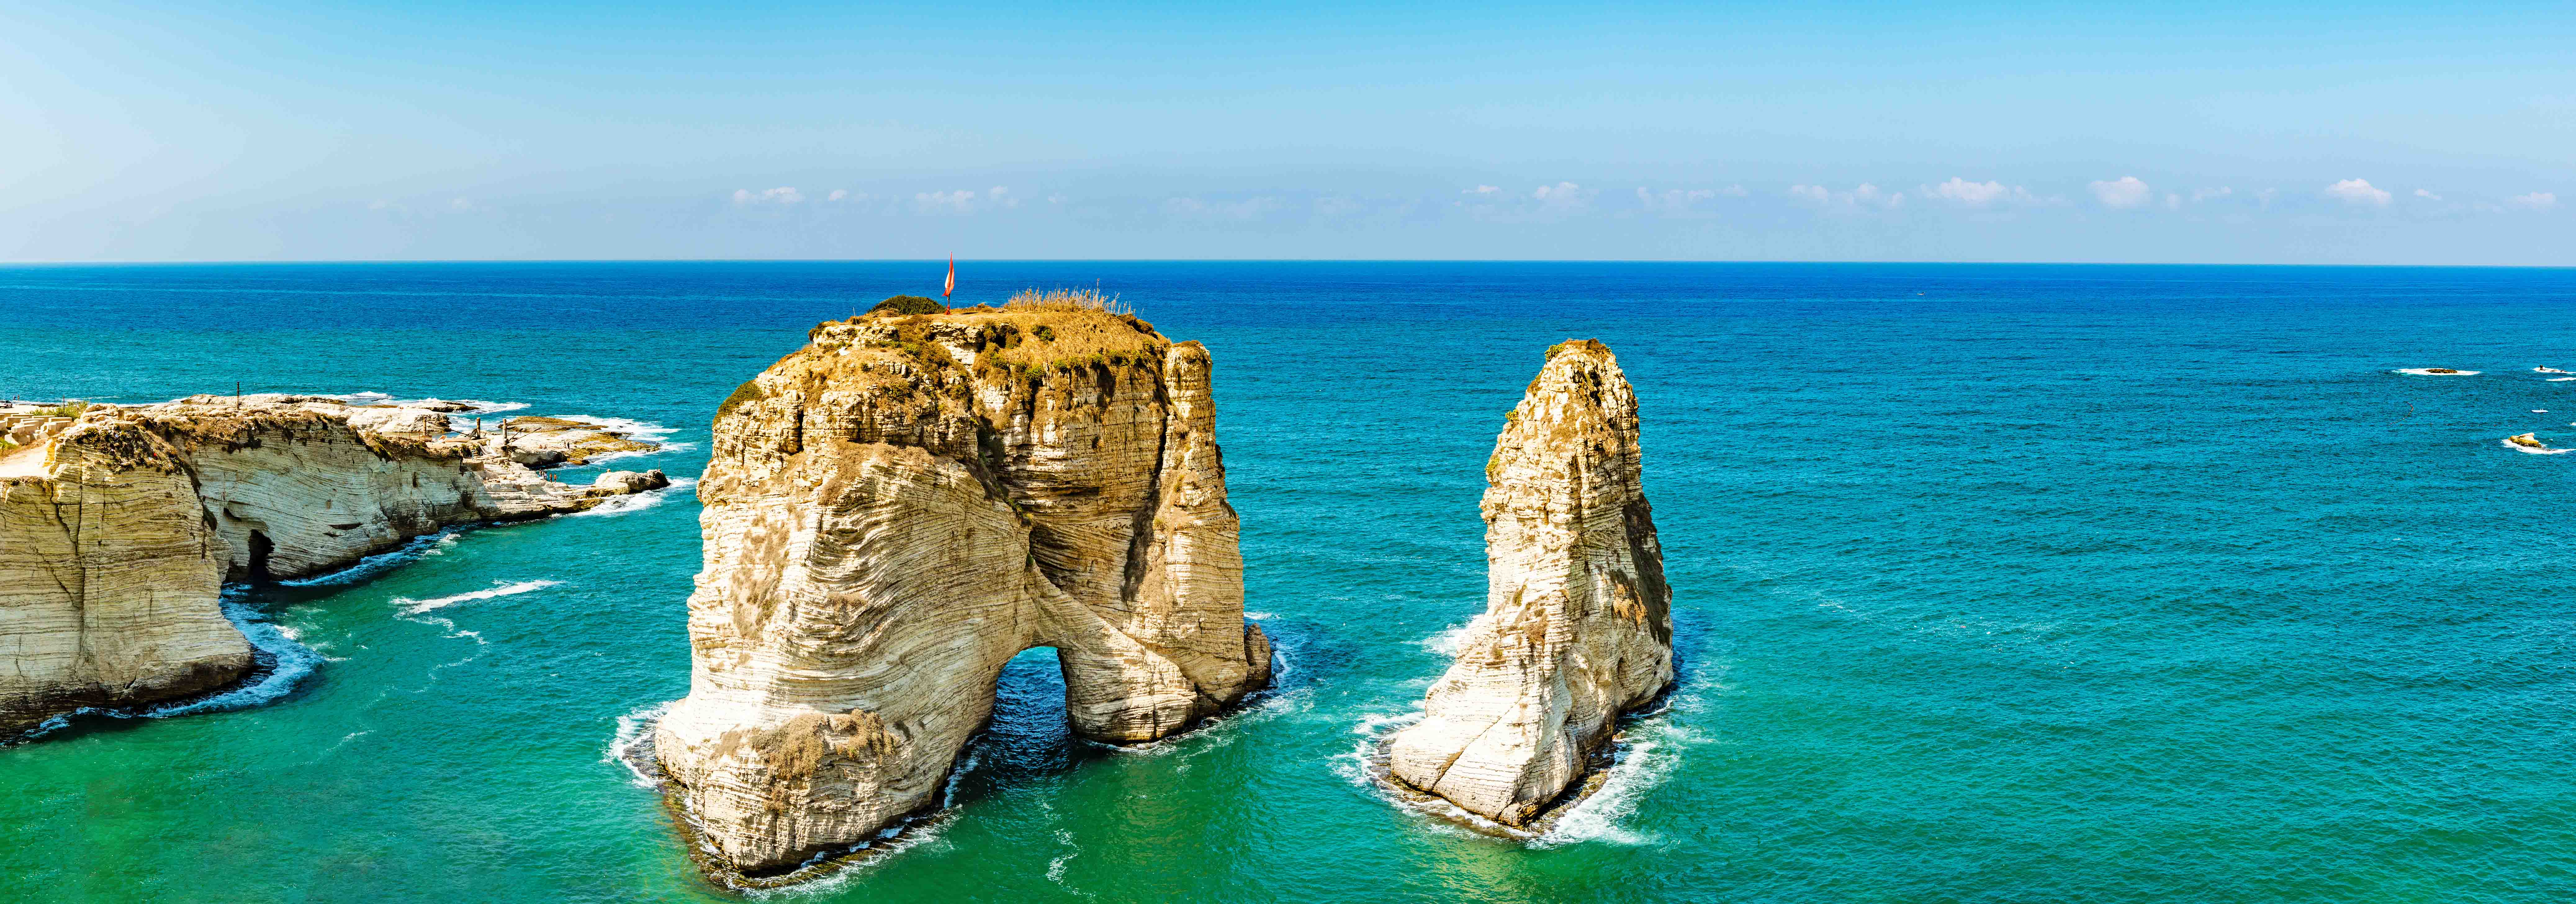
(109, 578)
(894, 511)
(117, 533)
(1578, 622)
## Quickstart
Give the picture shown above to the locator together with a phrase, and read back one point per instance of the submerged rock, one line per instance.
(117, 533)
(1577, 625)
(2527, 441)
(893, 512)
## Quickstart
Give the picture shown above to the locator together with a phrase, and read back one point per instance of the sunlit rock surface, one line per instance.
(1578, 621)
(894, 511)
(118, 529)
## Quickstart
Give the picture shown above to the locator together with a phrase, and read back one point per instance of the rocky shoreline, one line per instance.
(119, 526)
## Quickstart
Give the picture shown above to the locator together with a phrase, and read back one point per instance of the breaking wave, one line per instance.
(279, 663)
(1446, 642)
(632, 746)
(411, 606)
(1648, 748)
(417, 547)
(636, 502)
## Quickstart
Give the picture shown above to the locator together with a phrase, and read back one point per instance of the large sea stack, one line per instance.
(894, 511)
(1577, 625)
(119, 526)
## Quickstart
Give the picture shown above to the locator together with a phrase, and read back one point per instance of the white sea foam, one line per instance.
(2428, 372)
(2540, 411)
(644, 430)
(1648, 751)
(636, 502)
(411, 606)
(424, 545)
(634, 734)
(1055, 867)
(282, 663)
(1447, 641)
(2547, 370)
(292, 661)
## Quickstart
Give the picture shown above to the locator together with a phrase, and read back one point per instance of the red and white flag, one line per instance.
(952, 280)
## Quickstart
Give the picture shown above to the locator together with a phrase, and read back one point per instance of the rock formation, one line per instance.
(117, 532)
(894, 511)
(1577, 625)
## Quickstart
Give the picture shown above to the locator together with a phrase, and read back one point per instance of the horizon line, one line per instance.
(1239, 260)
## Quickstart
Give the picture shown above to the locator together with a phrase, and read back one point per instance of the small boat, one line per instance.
(2547, 370)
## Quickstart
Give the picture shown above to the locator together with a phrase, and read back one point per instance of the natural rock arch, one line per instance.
(895, 511)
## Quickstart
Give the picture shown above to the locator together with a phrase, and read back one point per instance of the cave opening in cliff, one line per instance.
(260, 549)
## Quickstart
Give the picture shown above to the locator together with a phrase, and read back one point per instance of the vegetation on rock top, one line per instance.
(908, 304)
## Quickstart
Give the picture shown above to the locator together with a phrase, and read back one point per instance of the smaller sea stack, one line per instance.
(1578, 621)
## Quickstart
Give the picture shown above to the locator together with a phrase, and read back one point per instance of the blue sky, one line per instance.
(2217, 132)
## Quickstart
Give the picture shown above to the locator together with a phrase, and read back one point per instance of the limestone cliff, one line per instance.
(1577, 624)
(108, 580)
(895, 510)
(117, 532)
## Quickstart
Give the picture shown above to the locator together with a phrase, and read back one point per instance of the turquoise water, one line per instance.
(1992, 583)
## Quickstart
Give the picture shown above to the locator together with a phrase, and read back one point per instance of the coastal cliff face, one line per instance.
(117, 533)
(297, 489)
(900, 507)
(108, 580)
(1578, 621)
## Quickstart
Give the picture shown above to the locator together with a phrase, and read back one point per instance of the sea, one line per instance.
(2008, 583)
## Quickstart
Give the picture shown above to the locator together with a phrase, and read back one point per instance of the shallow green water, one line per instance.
(2045, 584)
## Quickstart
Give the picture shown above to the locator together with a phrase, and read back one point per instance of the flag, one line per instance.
(952, 280)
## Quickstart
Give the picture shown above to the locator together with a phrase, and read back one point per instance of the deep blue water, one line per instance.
(1993, 583)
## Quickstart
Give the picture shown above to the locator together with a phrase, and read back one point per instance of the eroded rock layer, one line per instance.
(1578, 621)
(894, 511)
(117, 532)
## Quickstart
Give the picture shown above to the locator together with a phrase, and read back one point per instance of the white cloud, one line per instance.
(2203, 194)
(2173, 201)
(779, 195)
(1001, 194)
(2358, 192)
(2429, 196)
(1245, 210)
(959, 201)
(1979, 194)
(2539, 200)
(1732, 191)
(1864, 195)
(1673, 200)
(1055, 199)
(838, 194)
(1482, 190)
(1562, 195)
(2126, 191)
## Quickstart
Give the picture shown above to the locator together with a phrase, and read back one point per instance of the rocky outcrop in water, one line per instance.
(894, 511)
(1577, 625)
(117, 532)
